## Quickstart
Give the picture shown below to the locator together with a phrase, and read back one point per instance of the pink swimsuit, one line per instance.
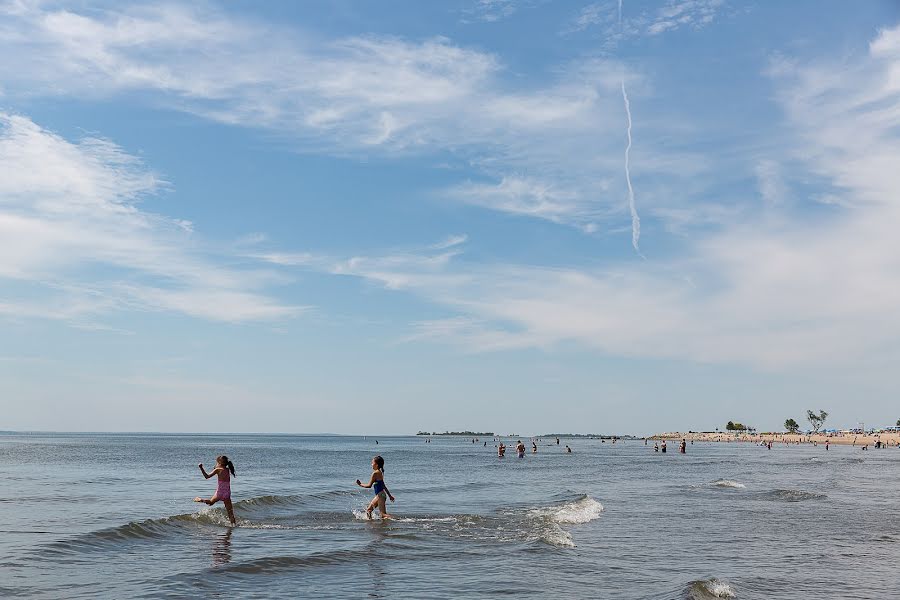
(223, 490)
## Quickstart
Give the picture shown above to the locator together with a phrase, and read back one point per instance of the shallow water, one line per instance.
(86, 516)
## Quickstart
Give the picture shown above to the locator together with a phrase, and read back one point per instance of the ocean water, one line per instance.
(111, 516)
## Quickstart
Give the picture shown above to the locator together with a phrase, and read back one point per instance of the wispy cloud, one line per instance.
(491, 10)
(352, 95)
(450, 241)
(684, 13)
(772, 293)
(617, 22)
(69, 209)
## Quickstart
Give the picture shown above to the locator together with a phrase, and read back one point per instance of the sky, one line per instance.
(512, 216)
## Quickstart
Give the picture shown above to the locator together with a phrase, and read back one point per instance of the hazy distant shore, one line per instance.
(888, 439)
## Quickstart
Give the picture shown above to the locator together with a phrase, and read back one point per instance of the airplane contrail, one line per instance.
(635, 219)
(620, 13)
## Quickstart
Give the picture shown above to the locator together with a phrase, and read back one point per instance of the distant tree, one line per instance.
(898, 422)
(816, 420)
(792, 426)
(730, 426)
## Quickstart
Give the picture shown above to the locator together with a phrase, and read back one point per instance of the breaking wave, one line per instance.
(705, 589)
(728, 483)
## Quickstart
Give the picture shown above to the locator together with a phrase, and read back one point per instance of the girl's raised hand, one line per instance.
(200, 465)
(358, 482)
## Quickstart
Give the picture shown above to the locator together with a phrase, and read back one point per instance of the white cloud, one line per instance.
(353, 95)
(71, 209)
(771, 183)
(774, 293)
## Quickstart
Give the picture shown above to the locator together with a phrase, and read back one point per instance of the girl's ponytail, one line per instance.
(223, 460)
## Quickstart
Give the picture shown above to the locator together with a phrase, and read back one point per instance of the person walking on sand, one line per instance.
(381, 492)
(225, 470)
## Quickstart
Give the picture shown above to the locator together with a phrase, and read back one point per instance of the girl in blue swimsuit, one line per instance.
(381, 491)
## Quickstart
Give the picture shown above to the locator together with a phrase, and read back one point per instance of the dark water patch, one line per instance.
(454, 487)
(292, 499)
(11, 592)
(278, 564)
(789, 495)
(149, 529)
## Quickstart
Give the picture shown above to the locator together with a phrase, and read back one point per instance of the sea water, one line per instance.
(111, 516)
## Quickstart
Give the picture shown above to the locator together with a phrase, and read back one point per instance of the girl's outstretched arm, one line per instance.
(211, 473)
(390, 495)
(366, 485)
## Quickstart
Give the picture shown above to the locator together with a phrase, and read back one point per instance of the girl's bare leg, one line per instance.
(371, 507)
(382, 507)
(210, 502)
(230, 510)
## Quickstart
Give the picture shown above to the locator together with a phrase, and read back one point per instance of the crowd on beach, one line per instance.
(860, 440)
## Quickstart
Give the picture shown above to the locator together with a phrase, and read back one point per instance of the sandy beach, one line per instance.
(861, 440)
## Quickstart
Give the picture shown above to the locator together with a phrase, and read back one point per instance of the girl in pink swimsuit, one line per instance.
(225, 470)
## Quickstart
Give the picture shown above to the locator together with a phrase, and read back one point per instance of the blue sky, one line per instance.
(362, 217)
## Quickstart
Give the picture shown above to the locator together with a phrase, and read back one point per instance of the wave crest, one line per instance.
(728, 483)
(704, 589)
(582, 510)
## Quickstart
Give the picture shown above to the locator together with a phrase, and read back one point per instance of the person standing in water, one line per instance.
(683, 447)
(501, 450)
(381, 492)
(663, 447)
(568, 450)
(533, 447)
(225, 470)
(520, 449)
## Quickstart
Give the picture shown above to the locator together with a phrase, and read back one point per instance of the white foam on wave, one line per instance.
(719, 589)
(578, 512)
(583, 510)
(426, 519)
(728, 483)
(558, 537)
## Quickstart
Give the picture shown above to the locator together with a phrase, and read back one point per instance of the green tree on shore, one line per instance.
(732, 426)
(816, 420)
(898, 422)
(792, 426)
